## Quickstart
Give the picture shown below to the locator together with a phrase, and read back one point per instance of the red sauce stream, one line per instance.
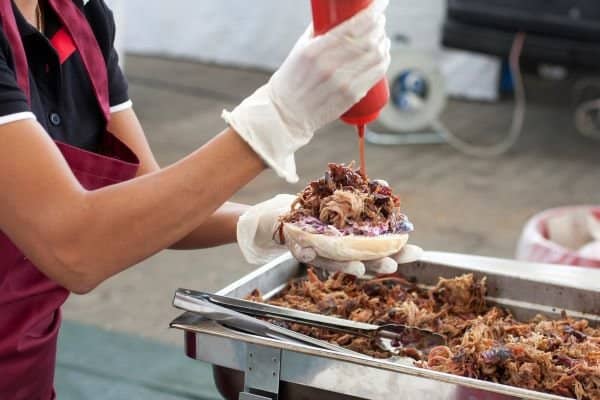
(361, 150)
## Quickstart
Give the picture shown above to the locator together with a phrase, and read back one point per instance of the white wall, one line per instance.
(250, 32)
(260, 33)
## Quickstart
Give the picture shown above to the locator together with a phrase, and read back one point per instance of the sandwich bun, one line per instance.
(347, 248)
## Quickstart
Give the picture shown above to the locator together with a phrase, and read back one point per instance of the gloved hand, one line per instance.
(259, 243)
(387, 265)
(256, 229)
(322, 78)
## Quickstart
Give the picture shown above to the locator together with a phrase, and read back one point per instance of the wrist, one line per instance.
(255, 154)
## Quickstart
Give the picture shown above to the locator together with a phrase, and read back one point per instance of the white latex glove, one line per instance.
(256, 229)
(590, 251)
(259, 243)
(322, 78)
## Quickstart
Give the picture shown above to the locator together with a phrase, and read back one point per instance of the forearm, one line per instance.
(155, 211)
(81, 238)
(216, 230)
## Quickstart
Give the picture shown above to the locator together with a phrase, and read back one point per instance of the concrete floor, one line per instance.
(457, 203)
(94, 364)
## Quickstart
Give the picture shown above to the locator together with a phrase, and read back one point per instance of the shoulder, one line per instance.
(97, 12)
(101, 19)
(5, 49)
(95, 8)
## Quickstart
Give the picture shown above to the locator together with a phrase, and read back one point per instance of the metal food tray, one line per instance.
(251, 367)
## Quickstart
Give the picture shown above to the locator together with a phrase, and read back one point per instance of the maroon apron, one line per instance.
(29, 301)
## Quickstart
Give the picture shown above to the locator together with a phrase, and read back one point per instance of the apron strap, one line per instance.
(81, 32)
(78, 26)
(11, 30)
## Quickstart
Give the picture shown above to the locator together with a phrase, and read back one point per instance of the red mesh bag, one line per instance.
(536, 246)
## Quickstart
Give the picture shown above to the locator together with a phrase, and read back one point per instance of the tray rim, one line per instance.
(576, 277)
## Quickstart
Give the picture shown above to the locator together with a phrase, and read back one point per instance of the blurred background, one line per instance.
(472, 155)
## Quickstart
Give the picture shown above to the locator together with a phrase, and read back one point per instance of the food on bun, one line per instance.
(346, 217)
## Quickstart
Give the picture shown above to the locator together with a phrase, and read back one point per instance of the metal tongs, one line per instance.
(187, 300)
(390, 337)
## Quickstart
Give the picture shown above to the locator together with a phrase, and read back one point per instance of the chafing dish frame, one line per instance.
(525, 288)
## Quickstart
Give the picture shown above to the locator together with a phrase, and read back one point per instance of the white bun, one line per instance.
(347, 248)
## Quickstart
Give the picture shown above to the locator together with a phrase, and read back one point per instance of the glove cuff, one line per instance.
(258, 122)
(256, 227)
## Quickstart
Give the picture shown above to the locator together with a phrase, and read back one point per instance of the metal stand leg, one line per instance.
(586, 95)
(263, 368)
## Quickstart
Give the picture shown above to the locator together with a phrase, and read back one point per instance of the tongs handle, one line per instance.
(188, 300)
(185, 301)
(291, 315)
(406, 334)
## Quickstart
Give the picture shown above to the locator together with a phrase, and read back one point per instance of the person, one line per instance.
(83, 197)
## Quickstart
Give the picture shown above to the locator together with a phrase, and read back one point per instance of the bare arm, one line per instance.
(80, 238)
(218, 228)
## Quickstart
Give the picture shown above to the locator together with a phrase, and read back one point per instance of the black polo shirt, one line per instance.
(62, 97)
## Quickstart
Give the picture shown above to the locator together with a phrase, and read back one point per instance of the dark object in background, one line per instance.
(564, 32)
(579, 19)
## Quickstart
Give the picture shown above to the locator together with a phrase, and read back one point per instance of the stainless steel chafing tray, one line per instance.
(252, 367)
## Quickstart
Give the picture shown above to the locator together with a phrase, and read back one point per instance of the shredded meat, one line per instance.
(484, 342)
(342, 208)
(348, 203)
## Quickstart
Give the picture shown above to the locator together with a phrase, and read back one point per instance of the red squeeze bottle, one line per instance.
(326, 15)
(330, 13)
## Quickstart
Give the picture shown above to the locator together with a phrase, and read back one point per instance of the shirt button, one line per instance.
(55, 119)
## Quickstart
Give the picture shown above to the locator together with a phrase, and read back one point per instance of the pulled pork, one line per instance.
(484, 342)
(345, 203)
